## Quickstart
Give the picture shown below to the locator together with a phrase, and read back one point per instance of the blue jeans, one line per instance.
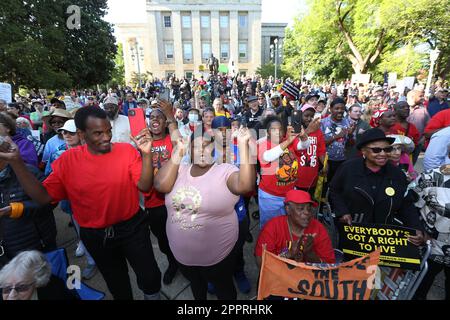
(269, 207)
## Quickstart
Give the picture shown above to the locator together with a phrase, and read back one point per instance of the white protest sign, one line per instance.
(5, 92)
(409, 82)
(392, 79)
(360, 78)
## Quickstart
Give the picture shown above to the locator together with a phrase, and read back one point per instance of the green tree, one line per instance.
(334, 33)
(118, 74)
(38, 50)
(134, 81)
(267, 70)
(90, 50)
(406, 61)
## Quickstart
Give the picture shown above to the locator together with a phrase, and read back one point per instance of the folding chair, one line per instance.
(326, 217)
(59, 262)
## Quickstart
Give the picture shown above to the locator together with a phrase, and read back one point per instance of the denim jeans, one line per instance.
(269, 207)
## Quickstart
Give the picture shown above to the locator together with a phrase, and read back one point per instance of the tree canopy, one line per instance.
(336, 38)
(39, 48)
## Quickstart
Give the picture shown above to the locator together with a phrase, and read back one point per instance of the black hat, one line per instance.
(251, 99)
(372, 135)
(309, 96)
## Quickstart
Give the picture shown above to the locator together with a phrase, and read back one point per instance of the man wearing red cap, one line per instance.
(297, 235)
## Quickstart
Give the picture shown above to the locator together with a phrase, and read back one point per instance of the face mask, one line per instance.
(193, 117)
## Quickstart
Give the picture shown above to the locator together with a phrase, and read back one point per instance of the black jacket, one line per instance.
(253, 119)
(350, 193)
(36, 229)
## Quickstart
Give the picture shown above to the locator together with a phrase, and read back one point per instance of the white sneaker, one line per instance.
(80, 250)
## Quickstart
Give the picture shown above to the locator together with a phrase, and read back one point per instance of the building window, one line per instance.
(206, 50)
(243, 20)
(242, 50)
(223, 21)
(187, 51)
(188, 74)
(169, 50)
(186, 22)
(224, 51)
(167, 22)
(204, 21)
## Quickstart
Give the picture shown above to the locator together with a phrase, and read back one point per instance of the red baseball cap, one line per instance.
(299, 196)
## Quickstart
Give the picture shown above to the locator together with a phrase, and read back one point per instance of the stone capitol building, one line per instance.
(179, 36)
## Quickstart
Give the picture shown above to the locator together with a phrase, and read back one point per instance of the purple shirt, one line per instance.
(26, 149)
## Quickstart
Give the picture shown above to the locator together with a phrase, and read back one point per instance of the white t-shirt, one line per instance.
(120, 129)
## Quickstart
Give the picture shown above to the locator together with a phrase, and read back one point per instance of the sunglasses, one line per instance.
(19, 288)
(378, 150)
(64, 132)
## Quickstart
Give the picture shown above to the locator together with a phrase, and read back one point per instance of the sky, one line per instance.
(121, 11)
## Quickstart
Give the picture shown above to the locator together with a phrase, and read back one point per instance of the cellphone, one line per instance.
(136, 117)
(296, 121)
(164, 94)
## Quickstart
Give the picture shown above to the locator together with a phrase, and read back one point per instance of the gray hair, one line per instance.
(2, 101)
(28, 263)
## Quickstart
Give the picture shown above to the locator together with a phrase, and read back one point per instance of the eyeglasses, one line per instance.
(397, 149)
(64, 132)
(378, 150)
(19, 288)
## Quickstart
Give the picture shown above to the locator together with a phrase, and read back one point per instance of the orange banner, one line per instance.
(352, 280)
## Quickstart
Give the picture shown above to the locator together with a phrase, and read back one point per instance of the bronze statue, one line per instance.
(213, 65)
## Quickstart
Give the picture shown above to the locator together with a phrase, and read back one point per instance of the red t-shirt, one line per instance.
(162, 151)
(440, 120)
(413, 133)
(278, 177)
(102, 189)
(309, 160)
(275, 235)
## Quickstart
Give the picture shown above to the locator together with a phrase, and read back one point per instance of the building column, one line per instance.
(196, 41)
(234, 38)
(153, 56)
(215, 37)
(255, 41)
(177, 44)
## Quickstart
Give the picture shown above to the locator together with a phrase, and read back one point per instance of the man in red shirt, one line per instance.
(402, 126)
(297, 235)
(439, 121)
(102, 181)
(161, 118)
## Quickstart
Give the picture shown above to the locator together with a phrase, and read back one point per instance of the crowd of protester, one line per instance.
(210, 146)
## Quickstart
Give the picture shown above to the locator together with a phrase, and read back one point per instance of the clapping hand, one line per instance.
(143, 141)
